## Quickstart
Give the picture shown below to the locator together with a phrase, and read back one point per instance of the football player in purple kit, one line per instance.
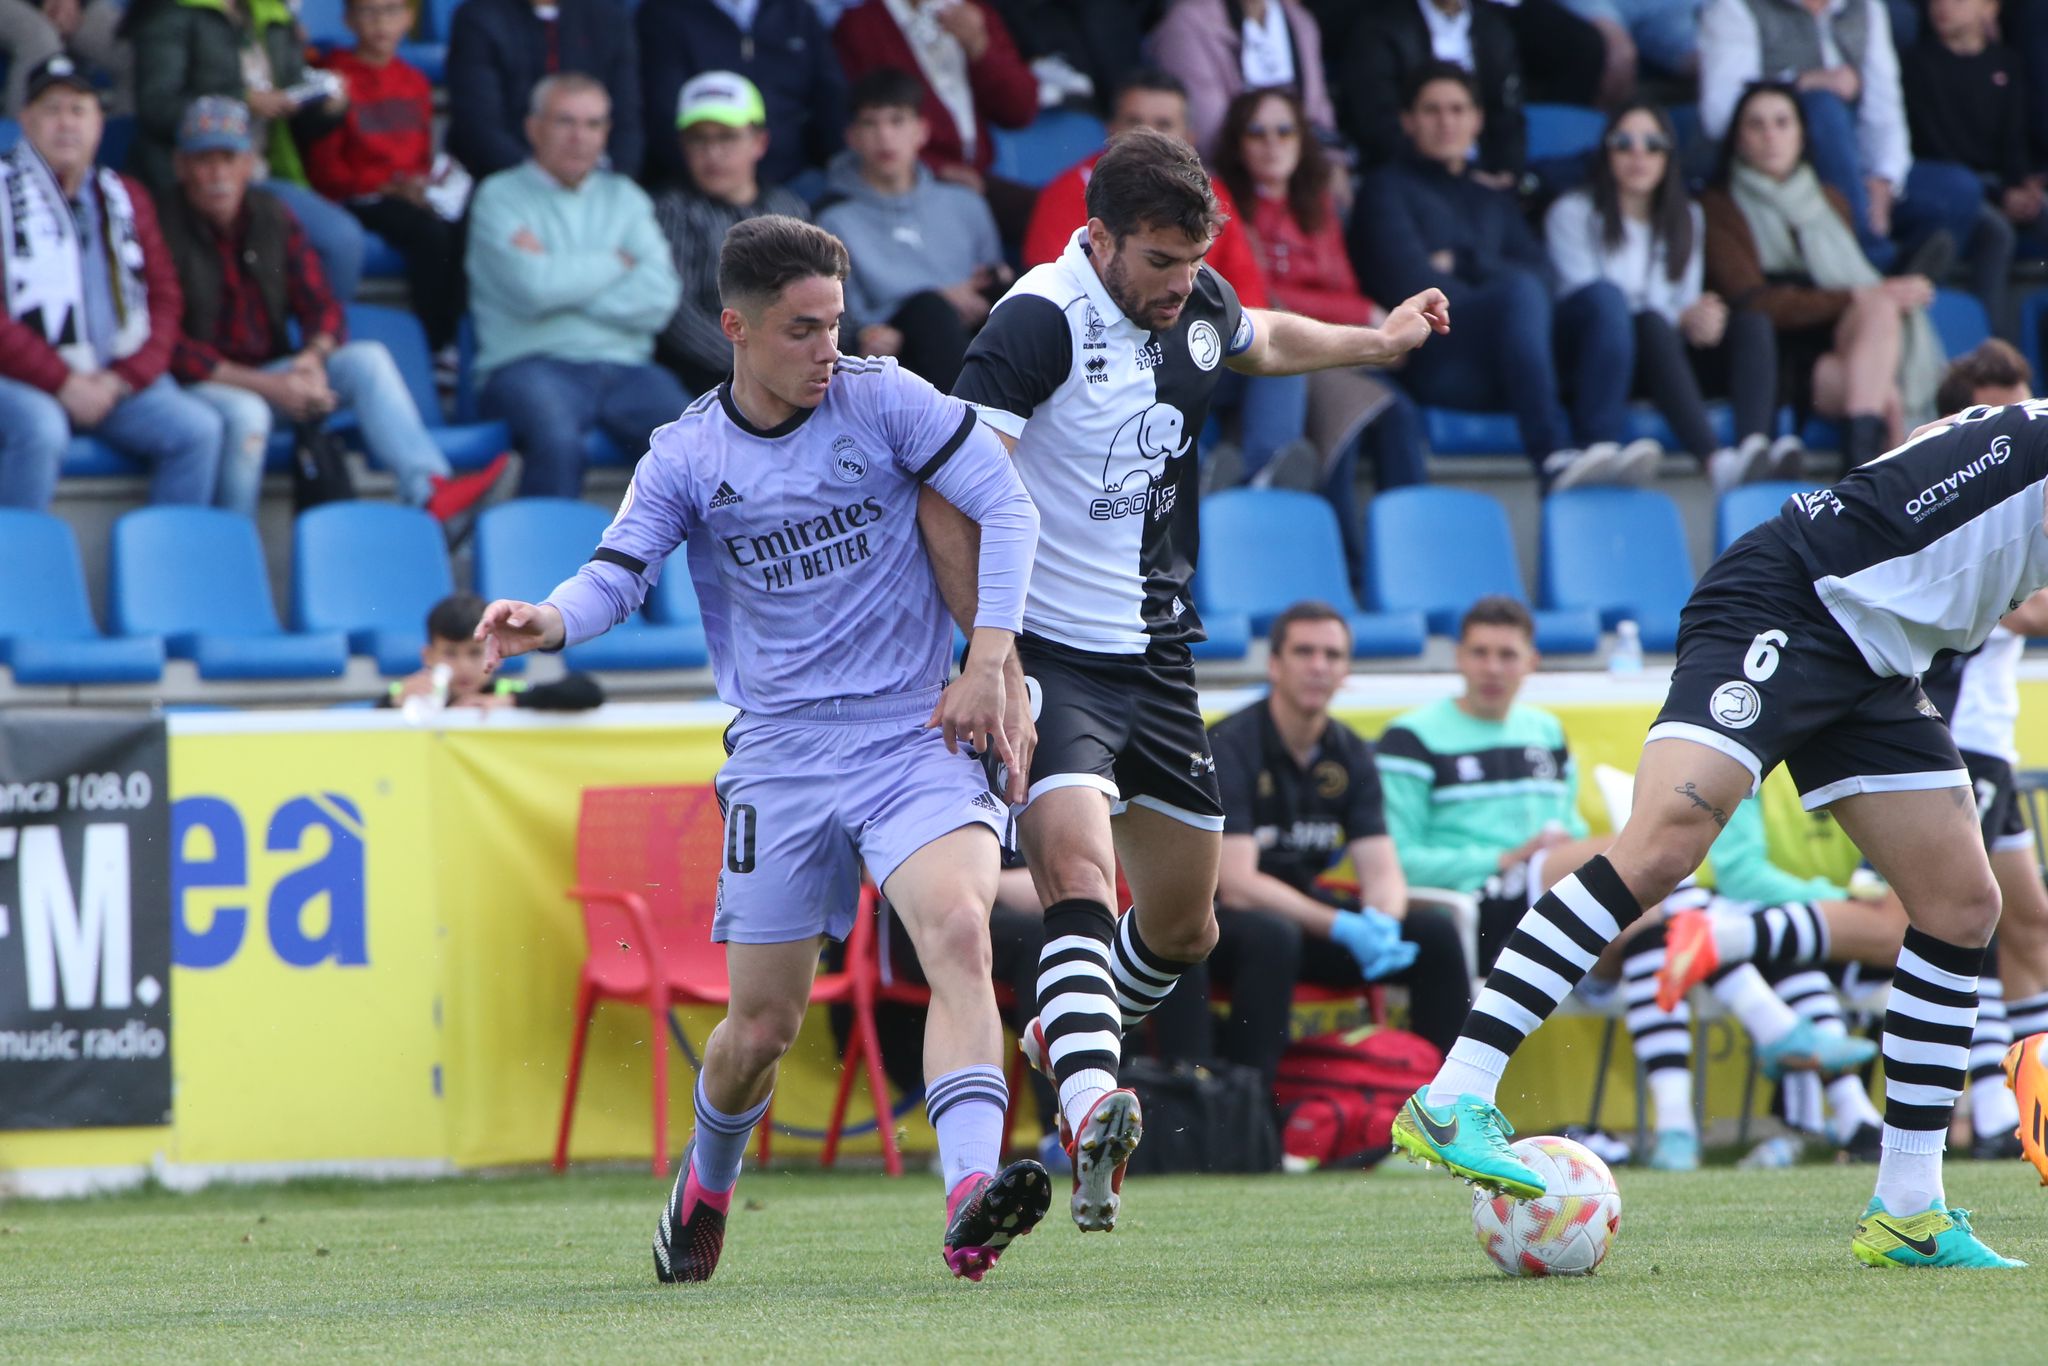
(797, 485)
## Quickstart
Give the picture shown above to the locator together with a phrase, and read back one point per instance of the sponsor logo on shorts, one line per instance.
(1942, 492)
(1200, 764)
(849, 461)
(1735, 705)
(986, 801)
(1205, 347)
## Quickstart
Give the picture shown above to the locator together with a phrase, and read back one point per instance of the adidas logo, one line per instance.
(987, 802)
(726, 496)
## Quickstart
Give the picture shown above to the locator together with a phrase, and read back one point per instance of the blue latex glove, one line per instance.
(1373, 938)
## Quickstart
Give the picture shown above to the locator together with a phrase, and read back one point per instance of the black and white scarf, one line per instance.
(41, 253)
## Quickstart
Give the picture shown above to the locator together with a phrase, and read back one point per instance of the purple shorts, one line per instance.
(809, 796)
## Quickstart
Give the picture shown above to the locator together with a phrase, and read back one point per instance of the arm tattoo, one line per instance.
(1692, 794)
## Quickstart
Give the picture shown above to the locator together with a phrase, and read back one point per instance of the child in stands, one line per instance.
(451, 641)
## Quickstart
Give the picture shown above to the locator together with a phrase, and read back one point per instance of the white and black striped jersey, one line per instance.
(1105, 414)
(1925, 548)
(1979, 693)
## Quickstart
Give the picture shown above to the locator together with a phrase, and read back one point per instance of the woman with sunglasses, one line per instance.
(1269, 159)
(1634, 227)
(1858, 346)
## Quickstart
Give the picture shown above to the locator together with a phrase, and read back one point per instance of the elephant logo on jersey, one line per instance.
(1143, 445)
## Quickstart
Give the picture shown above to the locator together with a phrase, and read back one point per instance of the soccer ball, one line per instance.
(1565, 1232)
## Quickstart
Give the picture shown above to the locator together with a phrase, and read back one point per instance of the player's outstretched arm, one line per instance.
(511, 628)
(1290, 344)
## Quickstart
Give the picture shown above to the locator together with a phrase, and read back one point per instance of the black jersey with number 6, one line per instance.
(1925, 548)
(1105, 414)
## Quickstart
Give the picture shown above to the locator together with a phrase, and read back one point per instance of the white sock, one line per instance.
(1469, 1069)
(1735, 937)
(1849, 1101)
(966, 1108)
(1909, 1171)
(1671, 1098)
(1803, 1109)
(1994, 1109)
(1079, 1093)
(1749, 998)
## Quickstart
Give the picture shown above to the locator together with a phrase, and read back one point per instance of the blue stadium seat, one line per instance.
(440, 18)
(1056, 139)
(47, 634)
(371, 571)
(1438, 550)
(1562, 130)
(527, 546)
(1960, 321)
(1457, 431)
(1644, 420)
(1621, 553)
(10, 133)
(468, 445)
(381, 260)
(430, 58)
(195, 575)
(1228, 635)
(1742, 509)
(1265, 549)
(326, 23)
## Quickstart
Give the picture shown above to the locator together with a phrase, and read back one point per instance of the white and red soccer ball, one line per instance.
(1566, 1231)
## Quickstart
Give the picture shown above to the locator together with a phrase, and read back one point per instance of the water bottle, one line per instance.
(417, 709)
(1627, 655)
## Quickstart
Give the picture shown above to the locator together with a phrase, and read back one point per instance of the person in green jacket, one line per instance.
(1481, 791)
(252, 51)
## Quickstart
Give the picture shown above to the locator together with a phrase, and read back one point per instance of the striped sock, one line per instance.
(1077, 1003)
(1927, 1028)
(1994, 1110)
(1663, 1041)
(966, 1108)
(2028, 1015)
(1556, 943)
(1810, 995)
(1788, 936)
(721, 1141)
(1143, 978)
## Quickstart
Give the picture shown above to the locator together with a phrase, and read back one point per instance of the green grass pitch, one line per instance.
(1722, 1265)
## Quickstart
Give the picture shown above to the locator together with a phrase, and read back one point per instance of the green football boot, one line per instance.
(1938, 1237)
(1470, 1137)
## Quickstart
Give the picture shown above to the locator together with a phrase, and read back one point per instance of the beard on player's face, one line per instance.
(1154, 307)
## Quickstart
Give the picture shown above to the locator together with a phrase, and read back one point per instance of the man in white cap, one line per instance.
(721, 125)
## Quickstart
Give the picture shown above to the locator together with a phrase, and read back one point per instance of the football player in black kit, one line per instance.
(1097, 369)
(1803, 645)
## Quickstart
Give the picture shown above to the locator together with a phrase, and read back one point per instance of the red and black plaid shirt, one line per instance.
(243, 334)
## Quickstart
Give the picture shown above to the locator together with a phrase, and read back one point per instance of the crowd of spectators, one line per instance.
(561, 214)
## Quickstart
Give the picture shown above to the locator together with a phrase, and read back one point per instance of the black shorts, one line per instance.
(1765, 676)
(1998, 803)
(1129, 726)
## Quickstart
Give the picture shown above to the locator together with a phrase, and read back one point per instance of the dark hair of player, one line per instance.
(1308, 189)
(1147, 179)
(764, 256)
(1303, 613)
(1151, 79)
(455, 617)
(1993, 365)
(886, 87)
(1497, 609)
(1429, 73)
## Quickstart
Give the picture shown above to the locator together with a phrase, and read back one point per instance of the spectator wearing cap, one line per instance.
(927, 263)
(92, 308)
(380, 160)
(719, 122)
(972, 78)
(570, 280)
(499, 50)
(248, 272)
(782, 46)
(246, 50)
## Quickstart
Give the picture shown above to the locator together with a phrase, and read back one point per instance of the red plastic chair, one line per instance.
(647, 863)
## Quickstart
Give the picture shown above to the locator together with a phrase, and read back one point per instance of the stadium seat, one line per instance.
(47, 634)
(1229, 636)
(195, 575)
(1621, 553)
(326, 23)
(10, 133)
(646, 870)
(1557, 131)
(1743, 508)
(1056, 139)
(372, 571)
(1458, 431)
(1265, 549)
(527, 546)
(381, 261)
(1438, 550)
(1960, 320)
(467, 445)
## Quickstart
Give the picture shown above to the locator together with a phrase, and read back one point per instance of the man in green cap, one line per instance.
(720, 121)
